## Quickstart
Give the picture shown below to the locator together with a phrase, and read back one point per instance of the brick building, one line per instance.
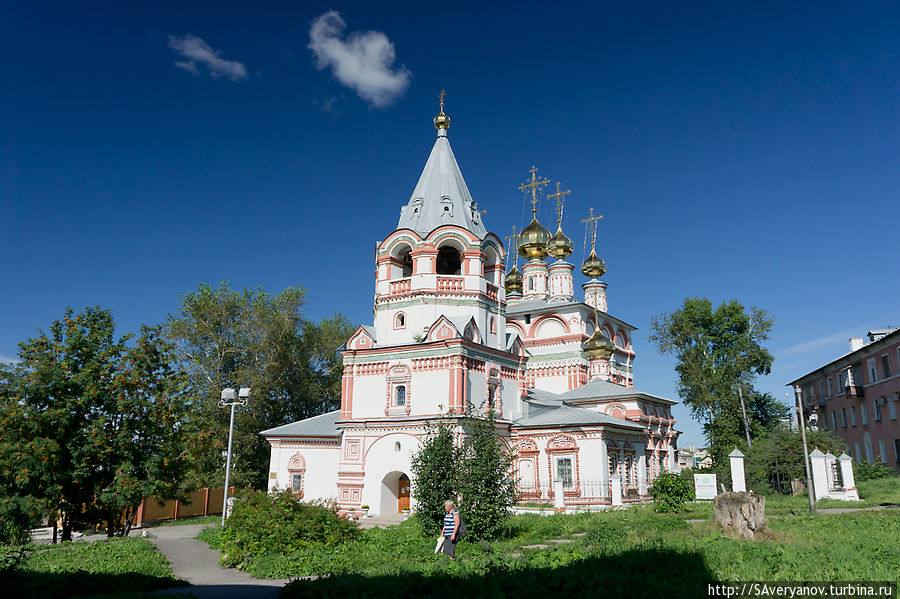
(858, 397)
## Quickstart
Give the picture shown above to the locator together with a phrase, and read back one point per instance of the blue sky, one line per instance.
(747, 151)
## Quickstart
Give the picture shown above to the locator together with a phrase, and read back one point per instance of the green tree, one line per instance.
(229, 338)
(92, 424)
(719, 353)
(435, 470)
(487, 491)
(776, 457)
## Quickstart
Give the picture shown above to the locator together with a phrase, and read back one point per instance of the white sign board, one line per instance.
(705, 485)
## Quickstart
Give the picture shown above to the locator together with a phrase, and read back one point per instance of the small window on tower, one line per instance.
(406, 258)
(448, 261)
(400, 321)
(447, 206)
(400, 396)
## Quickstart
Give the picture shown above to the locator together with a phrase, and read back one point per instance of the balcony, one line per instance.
(449, 284)
(855, 391)
(401, 286)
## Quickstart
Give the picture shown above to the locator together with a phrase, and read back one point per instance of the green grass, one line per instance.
(186, 521)
(105, 567)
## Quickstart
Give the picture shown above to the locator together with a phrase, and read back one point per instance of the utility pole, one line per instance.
(231, 399)
(809, 489)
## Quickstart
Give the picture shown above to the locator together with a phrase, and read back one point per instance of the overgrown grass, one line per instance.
(193, 520)
(115, 566)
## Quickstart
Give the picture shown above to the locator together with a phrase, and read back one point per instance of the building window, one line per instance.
(493, 327)
(564, 471)
(878, 403)
(296, 482)
(858, 452)
(863, 414)
(844, 417)
(897, 450)
(397, 446)
(873, 372)
(886, 365)
(448, 261)
(833, 420)
(400, 395)
(400, 321)
(828, 382)
(852, 415)
(491, 393)
(892, 407)
(821, 389)
(882, 452)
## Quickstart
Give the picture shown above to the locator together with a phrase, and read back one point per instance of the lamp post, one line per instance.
(231, 399)
(809, 490)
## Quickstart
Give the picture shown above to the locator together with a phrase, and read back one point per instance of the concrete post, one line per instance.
(849, 483)
(559, 497)
(829, 468)
(616, 488)
(819, 474)
(738, 483)
(641, 472)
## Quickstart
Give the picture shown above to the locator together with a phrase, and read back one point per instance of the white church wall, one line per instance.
(384, 463)
(476, 389)
(553, 384)
(512, 403)
(429, 392)
(369, 396)
(319, 475)
(592, 460)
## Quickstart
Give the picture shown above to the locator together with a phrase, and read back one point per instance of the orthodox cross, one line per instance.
(475, 209)
(442, 100)
(592, 223)
(513, 239)
(559, 196)
(534, 186)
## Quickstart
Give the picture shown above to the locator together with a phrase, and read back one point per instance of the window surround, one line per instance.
(296, 469)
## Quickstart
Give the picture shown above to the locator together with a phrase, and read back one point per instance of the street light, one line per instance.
(809, 489)
(231, 399)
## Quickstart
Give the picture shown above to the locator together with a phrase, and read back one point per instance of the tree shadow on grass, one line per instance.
(650, 573)
(25, 584)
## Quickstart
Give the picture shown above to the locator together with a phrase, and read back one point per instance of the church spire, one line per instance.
(441, 196)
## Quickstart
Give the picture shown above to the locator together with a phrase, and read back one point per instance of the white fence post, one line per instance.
(738, 484)
(848, 482)
(819, 471)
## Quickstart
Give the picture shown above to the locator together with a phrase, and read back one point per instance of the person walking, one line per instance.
(451, 529)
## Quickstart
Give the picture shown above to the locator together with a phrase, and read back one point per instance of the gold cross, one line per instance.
(558, 196)
(442, 100)
(534, 186)
(475, 209)
(592, 223)
(513, 239)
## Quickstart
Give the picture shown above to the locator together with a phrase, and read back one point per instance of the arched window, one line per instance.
(449, 261)
(406, 258)
(397, 446)
(400, 321)
(400, 395)
(491, 393)
(493, 328)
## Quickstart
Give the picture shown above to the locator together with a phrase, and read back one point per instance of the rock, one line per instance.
(744, 513)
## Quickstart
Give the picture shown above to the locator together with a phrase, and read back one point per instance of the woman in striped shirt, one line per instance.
(451, 529)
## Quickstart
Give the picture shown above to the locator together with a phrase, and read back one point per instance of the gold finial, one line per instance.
(442, 121)
(534, 186)
(592, 223)
(559, 196)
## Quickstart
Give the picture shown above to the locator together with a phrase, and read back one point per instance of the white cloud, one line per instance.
(821, 343)
(363, 61)
(197, 51)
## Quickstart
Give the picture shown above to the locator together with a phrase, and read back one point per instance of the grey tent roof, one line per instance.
(598, 389)
(568, 415)
(317, 426)
(441, 196)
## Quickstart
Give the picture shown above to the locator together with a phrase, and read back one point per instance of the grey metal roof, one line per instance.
(441, 196)
(317, 426)
(539, 306)
(564, 415)
(598, 389)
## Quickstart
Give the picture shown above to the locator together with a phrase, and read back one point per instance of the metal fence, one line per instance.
(580, 493)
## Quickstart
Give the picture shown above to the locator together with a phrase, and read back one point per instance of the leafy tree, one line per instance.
(777, 457)
(671, 491)
(487, 491)
(719, 353)
(229, 338)
(435, 470)
(92, 424)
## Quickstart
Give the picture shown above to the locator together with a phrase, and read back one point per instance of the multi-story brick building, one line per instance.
(858, 397)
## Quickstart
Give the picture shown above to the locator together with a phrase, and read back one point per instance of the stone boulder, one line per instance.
(744, 513)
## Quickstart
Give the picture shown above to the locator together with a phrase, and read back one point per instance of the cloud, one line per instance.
(821, 342)
(363, 61)
(197, 51)
(8, 360)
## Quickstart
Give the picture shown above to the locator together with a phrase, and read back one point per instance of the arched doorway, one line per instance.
(403, 488)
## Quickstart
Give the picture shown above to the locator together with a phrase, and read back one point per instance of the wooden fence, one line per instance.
(202, 502)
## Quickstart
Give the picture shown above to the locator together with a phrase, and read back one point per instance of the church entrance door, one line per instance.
(402, 493)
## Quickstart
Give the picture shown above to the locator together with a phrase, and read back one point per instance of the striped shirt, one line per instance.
(449, 523)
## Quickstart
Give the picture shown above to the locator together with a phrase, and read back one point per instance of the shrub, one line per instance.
(18, 515)
(435, 474)
(261, 523)
(670, 492)
(873, 471)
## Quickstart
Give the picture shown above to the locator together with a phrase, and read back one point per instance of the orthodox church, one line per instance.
(453, 335)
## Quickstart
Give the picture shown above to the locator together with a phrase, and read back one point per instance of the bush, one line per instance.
(261, 523)
(435, 474)
(18, 515)
(873, 471)
(670, 492)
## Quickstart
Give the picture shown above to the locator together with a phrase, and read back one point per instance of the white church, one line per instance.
(452, 334)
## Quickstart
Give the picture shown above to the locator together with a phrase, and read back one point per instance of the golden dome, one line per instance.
(598, 345)
(442, 121)
(593, 267)
(513, 281)
(560, 246)
(533, 240)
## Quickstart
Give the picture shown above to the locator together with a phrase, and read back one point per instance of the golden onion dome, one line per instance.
(560, 246)
(533, 240)
(593, 266)
(513, 281)
(598, 345)
(442, 121)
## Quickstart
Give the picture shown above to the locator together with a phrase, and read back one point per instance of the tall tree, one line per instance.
(719, 353)
(230, 338)
(435, 470)
(92, 423)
